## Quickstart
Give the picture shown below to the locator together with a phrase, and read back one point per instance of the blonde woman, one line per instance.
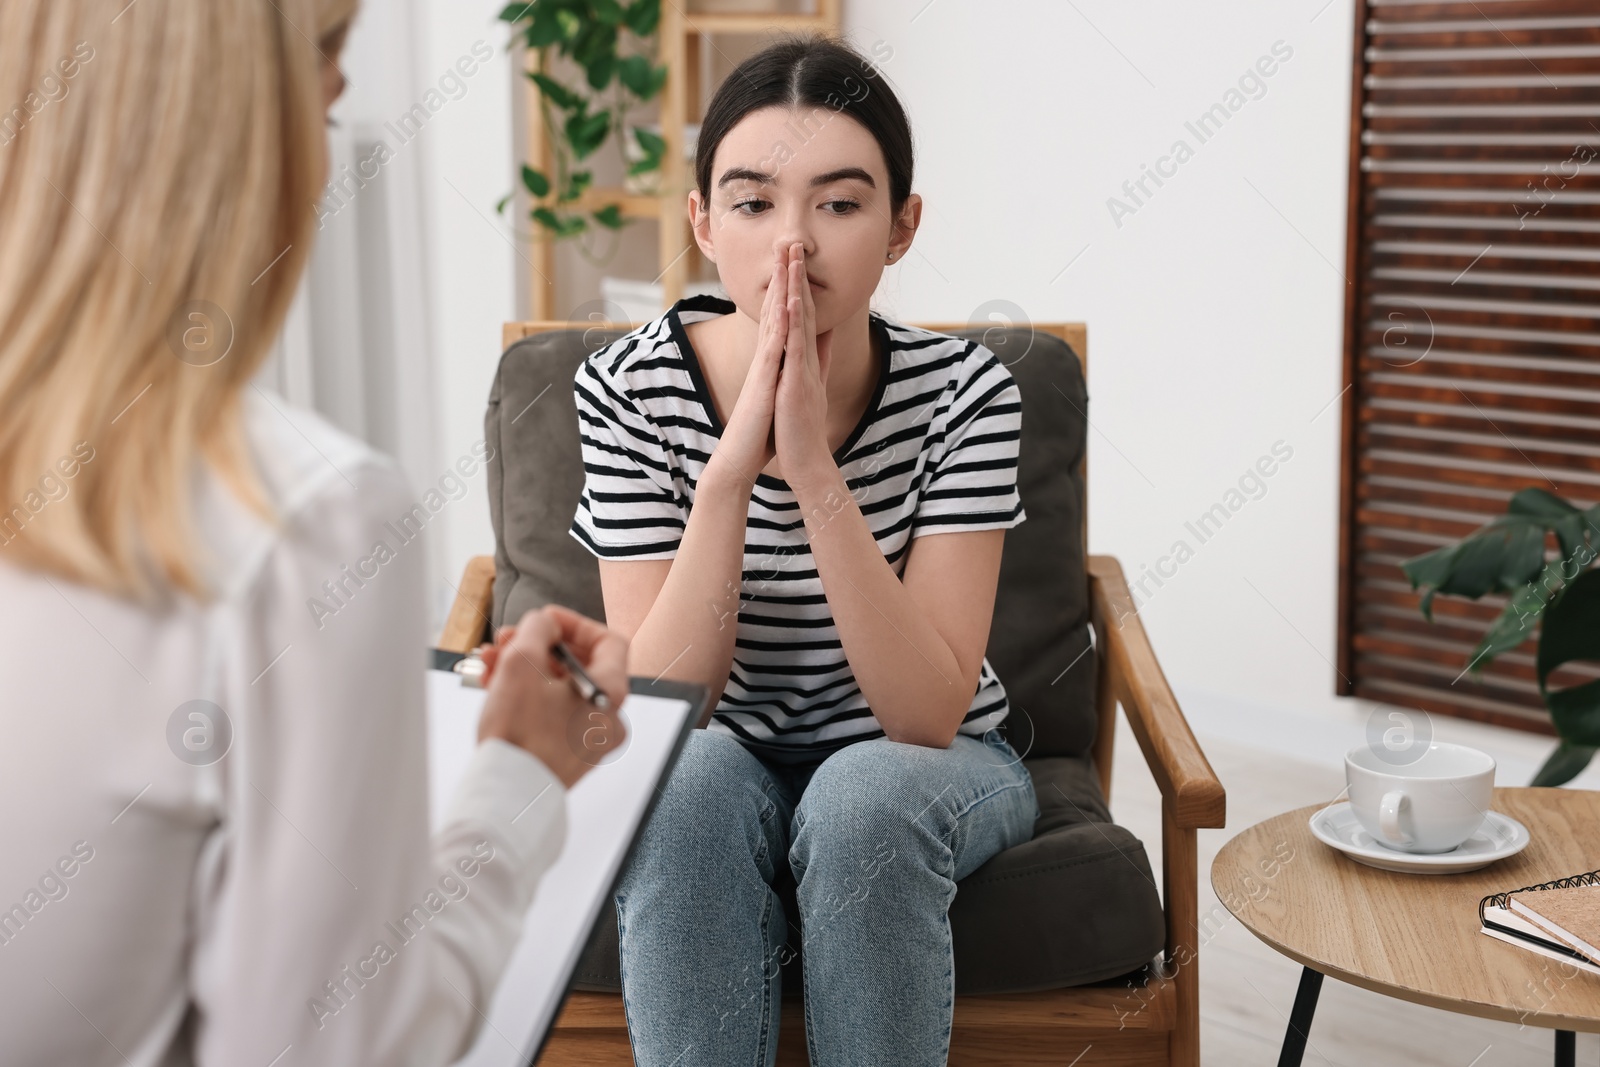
(214, 838)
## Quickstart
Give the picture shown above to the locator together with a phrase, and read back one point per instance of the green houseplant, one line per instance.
(1560, 596)
(580, 118)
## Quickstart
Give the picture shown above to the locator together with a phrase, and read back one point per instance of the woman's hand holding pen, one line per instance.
(531, 700)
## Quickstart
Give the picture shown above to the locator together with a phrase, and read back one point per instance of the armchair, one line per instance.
(1065, 952)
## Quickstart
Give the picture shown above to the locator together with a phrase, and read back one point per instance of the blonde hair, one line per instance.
(157, 160)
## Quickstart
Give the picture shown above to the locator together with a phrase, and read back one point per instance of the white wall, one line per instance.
(1214, 309)
(469, 168)
(444, 266)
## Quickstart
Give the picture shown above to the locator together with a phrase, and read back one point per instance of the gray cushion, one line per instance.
(1076, 904)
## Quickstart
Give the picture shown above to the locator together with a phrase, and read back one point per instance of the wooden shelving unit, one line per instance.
(680, 33)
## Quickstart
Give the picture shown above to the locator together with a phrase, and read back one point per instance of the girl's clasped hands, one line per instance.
(782, 408)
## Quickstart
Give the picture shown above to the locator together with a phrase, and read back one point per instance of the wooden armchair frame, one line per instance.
(1158, 1023)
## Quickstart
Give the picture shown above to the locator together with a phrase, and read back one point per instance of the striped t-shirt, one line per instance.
(935, 452)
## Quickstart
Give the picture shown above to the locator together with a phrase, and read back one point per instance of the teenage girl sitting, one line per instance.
(801, 504)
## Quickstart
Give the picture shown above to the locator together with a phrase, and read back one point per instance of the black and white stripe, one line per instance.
(935, 452)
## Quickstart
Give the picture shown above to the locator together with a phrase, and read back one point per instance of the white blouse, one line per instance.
(214, 841)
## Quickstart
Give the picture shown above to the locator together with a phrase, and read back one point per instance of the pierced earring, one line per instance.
(891, 255)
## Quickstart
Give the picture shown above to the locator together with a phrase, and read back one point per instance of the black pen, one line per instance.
(471, 669)
(580, 678)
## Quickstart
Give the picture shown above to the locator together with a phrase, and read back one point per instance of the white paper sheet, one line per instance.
(604, 810)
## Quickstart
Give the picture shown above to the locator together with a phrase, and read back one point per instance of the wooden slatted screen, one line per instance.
(1472, 348)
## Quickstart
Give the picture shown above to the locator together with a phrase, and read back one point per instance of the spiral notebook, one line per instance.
(1559, 919)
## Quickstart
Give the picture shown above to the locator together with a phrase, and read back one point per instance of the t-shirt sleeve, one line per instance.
(972, 473)
(631, 507)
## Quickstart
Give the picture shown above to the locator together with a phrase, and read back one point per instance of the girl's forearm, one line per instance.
(905, 668)
(689, 631)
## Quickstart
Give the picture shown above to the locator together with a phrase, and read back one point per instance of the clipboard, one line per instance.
(606, 811)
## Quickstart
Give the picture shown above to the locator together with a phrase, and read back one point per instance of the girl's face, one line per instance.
(812, 175)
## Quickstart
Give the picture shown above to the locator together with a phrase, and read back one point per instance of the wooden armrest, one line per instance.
(468, 623)
(1187, 782)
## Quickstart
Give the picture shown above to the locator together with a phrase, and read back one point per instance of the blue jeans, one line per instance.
(876, 837)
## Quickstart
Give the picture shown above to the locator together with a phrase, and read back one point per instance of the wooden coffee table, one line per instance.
(1411, 936)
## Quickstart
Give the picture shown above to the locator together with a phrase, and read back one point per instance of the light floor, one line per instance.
(1271, 761)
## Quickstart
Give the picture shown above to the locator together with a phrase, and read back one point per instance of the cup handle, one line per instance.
(1389, 818)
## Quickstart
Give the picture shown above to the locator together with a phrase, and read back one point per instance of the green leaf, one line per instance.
(1515, 624)
(1431, 568)
(642, 79)
(1537, 502)
(1563, 765)
(1572, 625)
(1576, 712)
(651, 142)
(657, 80)
(599, 71)
(1522, 612)
(653, 148)
(1503, 555)
(1506, 554)
(587, 132)
(642, 17)
(500, 205)
(634, 72)
(594, 41)
(536, 183)
(545, 29)
(1571, 634)
(610, 216)
(516, 12)
(558, 94)
(1554, 514)
(608, 11)
(559, 225)
(577, 182)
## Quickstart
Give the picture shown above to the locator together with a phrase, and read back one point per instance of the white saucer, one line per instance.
(1500, 836)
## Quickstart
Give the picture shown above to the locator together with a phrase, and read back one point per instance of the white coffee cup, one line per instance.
(1430, 804)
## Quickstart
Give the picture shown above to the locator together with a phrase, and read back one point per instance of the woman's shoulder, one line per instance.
(315, 477)
(297, 450)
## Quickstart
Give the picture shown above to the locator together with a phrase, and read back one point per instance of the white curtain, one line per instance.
(355, 345)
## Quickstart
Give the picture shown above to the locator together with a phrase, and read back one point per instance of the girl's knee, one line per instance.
(871, 782)
(711, 763)
(715, 789)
